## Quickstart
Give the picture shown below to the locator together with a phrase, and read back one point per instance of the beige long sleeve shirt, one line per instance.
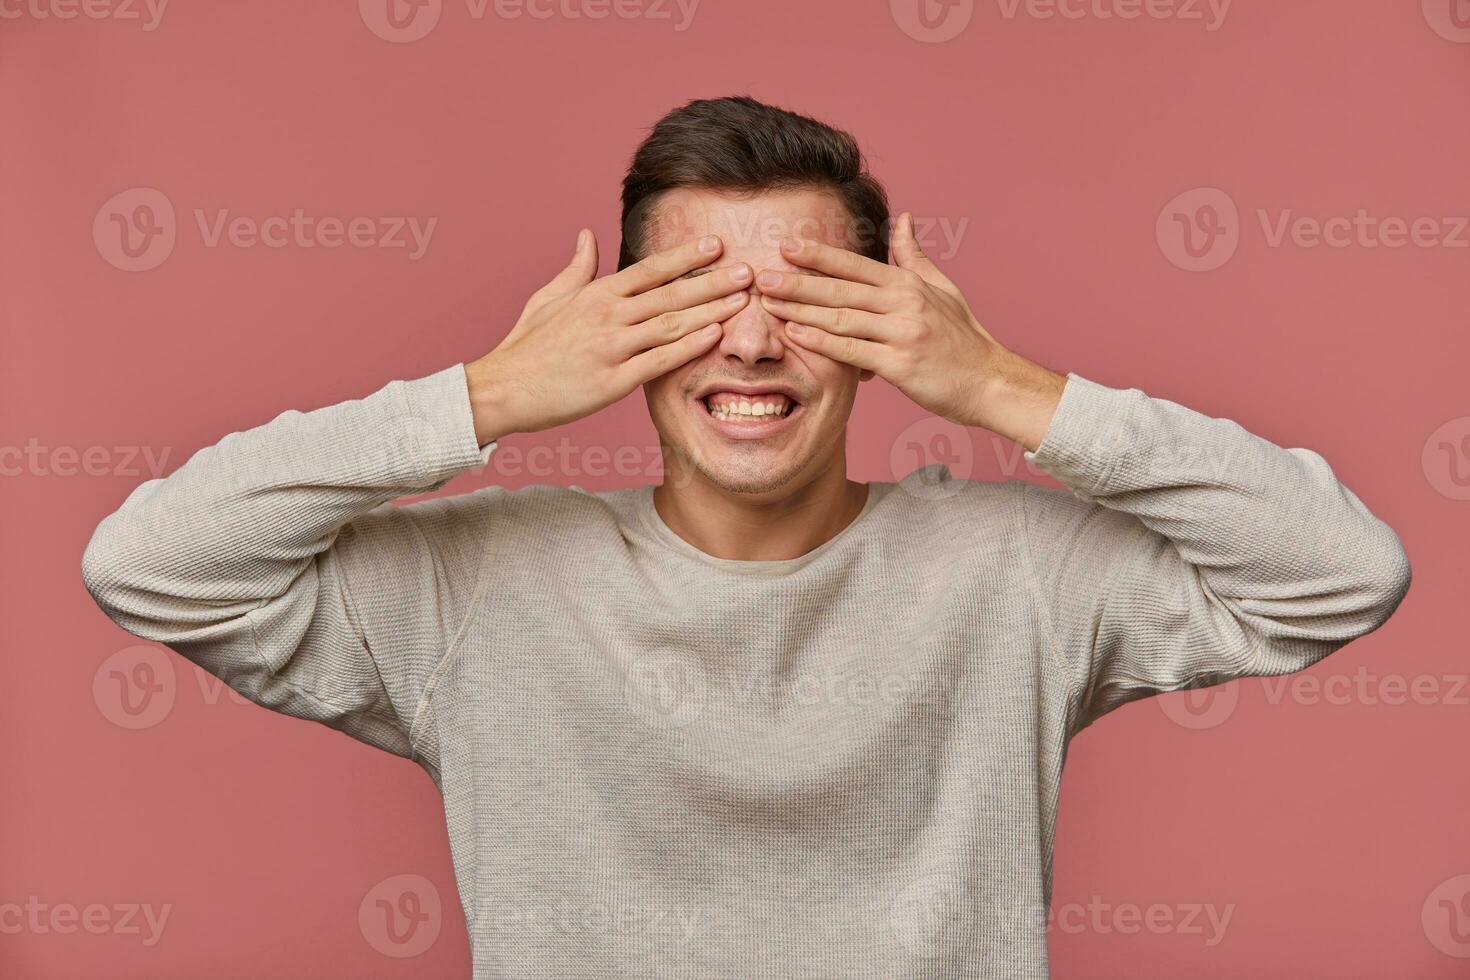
(656, 763)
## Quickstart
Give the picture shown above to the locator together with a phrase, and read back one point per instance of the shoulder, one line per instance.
(931, 506)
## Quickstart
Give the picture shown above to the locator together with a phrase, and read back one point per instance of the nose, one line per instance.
(752, 335)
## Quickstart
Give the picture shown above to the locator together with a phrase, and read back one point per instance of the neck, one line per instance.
(774, 526)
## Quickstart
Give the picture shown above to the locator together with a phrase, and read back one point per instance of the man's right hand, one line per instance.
(583, 343)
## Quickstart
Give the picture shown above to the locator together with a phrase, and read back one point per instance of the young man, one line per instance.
(875, 684)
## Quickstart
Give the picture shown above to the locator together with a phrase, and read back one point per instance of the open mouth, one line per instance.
(750, 415)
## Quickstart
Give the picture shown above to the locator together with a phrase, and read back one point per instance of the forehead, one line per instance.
(751, 225)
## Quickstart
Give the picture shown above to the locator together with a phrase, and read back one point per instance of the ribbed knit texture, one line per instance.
(656, 763)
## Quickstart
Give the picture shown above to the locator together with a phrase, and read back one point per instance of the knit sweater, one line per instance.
(658, 763)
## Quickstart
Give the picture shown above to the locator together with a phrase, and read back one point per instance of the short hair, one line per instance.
(738, 144)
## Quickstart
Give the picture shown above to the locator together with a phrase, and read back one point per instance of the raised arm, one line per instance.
(1190, 551)
(275, 560)
(254, 557)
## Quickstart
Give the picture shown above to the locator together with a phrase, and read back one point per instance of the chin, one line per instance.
(747, 476)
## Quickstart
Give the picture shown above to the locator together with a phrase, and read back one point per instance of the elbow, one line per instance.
(99, 566)
(1387, 576)
(107, 567)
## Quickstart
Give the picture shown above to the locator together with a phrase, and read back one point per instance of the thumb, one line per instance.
(907, 253)
(582, 268)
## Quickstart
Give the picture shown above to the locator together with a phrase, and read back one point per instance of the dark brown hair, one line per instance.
(739, 144)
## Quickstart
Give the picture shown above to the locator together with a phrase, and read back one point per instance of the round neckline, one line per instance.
(654, 523)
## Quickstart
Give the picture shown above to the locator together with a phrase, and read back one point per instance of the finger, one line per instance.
(582, 268)
(670, 326)
(839, 262)
(686, 292)
(665, 358)
(842, 320)
(863, 354)
(579, 271)
(657, 269)
(907, 253)
(822, 291)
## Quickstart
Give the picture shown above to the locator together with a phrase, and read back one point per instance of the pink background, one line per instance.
(1331, 827)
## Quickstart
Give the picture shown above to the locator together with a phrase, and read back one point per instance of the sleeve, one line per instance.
(275, 560)
(1186, 551)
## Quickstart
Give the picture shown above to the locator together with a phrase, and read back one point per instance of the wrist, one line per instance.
(488, 403)
(1017, 398)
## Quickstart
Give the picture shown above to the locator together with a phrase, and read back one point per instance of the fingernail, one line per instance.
(790, 245)
(709, 243)
(740, 273)
(581, 239)
(795, 327)
(769, 278)
(711, 330)
(735, 299)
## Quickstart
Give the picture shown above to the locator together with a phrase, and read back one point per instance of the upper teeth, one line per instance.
(726, 408)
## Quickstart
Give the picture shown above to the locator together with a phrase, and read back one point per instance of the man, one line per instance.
(875, 683)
